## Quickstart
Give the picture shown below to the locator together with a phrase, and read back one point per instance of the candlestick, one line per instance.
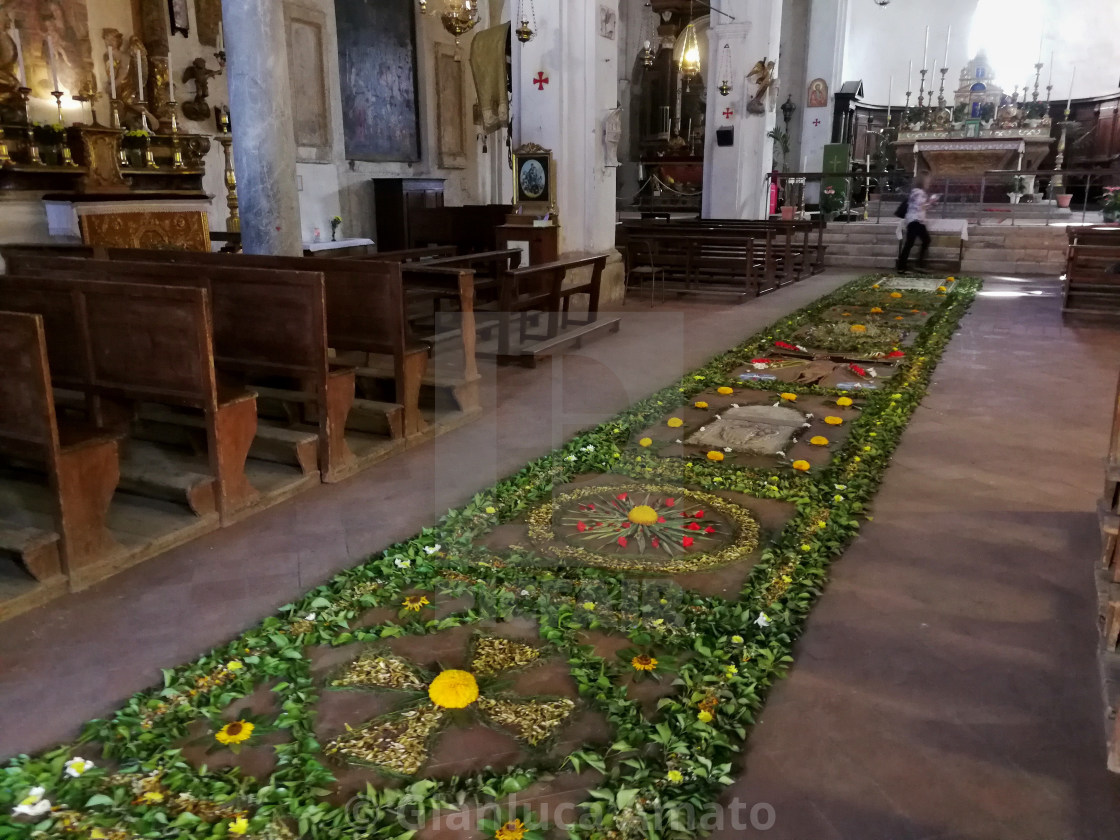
(941, 92)
(139, 74)
(53, 63)
(1050, 75)
(1037, 77)
(922, 89)
(948, 35)
(19, 55)
(925, 51)
(67, 157)
(176, 148)
(170, 75)
(33, 156)
(910, 75)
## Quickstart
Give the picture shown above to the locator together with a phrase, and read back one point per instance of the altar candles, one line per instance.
(19, 56)
(170, 75)
(1050, 75)
(910, 76)
(222, 38)
(1069, 100)
(139, 74)
(948, 35)
(53, 62)
(890, 95)
(112, 73)
(1041, 38)
(925, 50)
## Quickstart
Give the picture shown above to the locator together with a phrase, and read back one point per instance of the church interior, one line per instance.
(539, 419)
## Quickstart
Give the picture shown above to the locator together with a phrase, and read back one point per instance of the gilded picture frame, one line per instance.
(534, 179)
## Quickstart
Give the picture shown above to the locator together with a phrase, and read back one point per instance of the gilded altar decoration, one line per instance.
(141, 227)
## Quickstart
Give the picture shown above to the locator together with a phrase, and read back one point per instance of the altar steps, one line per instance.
(995, 249)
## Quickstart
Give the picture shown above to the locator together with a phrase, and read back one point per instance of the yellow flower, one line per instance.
(942, 289)
(589, 605)
(898, 317)
(234, 665)
(834, 421)
(675, 423)
(896, 295)
(725, 391)
(801, 466)
(789, 397)
(643, 515)
(643, 663)
(491, 510)
(950, 279)
(859, 328)
(701, 404)
(235, 733)
(646, 442)
(453, 690)
(413, 603)
(875, 310)
(512, 830)
(715, 456)
(844, 402)
(151, 797)
(704, 717)
(876, 286)
(819, 441)
(239, 826)
(97, 834)
(674, 777)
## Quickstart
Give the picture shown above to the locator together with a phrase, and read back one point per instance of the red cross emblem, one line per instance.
(728, 114)
(816, 122)
(541, 80)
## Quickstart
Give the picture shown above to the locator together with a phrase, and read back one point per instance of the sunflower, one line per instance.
(413, 603)
(725, 391)
(834, 421)
(512, 830)
(819, 441)
(715, 456)
(674, 423)
(643, 663)
(237, 732)
(453, 689)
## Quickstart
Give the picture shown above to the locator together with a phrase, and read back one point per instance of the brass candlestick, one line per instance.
(115, 123)
(33, 156)
(5, 158)
(233, 224)
(941, 92)
(1037, 77)
(922, 90)
(176, 147)
(67, 157)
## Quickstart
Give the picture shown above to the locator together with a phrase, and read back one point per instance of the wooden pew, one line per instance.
(545, 289)
(365, 252)
(81, 463)
(365, 312)
(267, 324)
(740, 266)
(1092, 281)
(121, 344)
(468, 228)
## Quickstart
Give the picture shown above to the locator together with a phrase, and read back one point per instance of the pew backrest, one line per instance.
(27, 418)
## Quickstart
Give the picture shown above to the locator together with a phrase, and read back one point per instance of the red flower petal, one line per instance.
(687, 542)
(622, 541)
(622, 497)
(661, 520)
(670, 503)
(581, 527)
(591, 507)
(655, 542)
(699, 514)
(709, 530)
(693, 526)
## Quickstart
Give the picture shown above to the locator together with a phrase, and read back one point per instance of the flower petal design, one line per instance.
(377, 670)
(494, 655)
(531, 721)
(398, 743)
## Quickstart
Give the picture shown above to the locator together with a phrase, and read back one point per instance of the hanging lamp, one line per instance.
(525, 32)
(458, 16)
(646, 53)
(725, 70)
(690, 54)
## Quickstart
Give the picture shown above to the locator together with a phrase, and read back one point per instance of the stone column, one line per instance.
(828, 32)
(735, 185)
(264, 149)
(567, 114)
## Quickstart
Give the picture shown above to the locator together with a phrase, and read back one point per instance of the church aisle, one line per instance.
(946, 686)
(83, 655)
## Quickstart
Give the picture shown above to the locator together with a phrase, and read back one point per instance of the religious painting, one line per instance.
(207, 17)
(608, 21)
(818, 94)
(63, 24)
(180, 18)
(377, 72)
(451, 131)
(533, 177)
(307, 70)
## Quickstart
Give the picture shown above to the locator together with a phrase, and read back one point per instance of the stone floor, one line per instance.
(946, 686)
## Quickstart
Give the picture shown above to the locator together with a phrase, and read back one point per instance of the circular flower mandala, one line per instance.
(643, 515)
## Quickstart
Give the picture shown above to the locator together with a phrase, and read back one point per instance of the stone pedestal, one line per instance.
(735, 185)
(264, 147)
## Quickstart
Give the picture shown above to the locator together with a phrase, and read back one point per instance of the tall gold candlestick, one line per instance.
(33, 156)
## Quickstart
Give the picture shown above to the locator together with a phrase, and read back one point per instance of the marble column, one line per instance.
(735, 185)
(264, 149)
(828, 33)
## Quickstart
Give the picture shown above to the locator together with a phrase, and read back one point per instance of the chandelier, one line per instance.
(458, 16)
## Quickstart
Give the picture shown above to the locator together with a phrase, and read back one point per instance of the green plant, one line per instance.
(781, 140)
(49, 135)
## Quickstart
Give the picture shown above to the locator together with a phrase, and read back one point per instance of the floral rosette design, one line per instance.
(652, 529)
(400, 742)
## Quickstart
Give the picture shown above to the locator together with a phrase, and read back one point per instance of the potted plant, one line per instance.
(49, 139)
(1018, 188)
(960, 114)
(134, 144)
(832, 202)
(1110, 205)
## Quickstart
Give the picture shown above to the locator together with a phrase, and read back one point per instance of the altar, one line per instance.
(951, 153)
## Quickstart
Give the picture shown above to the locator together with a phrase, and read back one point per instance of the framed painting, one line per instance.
(66, 24)
(818, 94)
(534, 178)
(180, 17)
(311, 114)
(377, 74)
(451, 113)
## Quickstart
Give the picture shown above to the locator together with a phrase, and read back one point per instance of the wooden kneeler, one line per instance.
(82, 464)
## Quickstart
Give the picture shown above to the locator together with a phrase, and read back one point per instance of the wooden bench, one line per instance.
(468, 228)
(369, 252)
(270, 332)
(81, 463)
(548, 289)
(121, 344)
(1092, 281)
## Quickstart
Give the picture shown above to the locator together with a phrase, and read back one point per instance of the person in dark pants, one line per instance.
(916, 229)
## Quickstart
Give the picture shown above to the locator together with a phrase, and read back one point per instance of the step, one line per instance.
(378, 418)
(149, 470)
(37, 551)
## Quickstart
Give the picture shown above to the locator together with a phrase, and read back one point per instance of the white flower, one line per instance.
(570, 458)
(728, 450)
(524, 591)
(841, 486)
(763, 620)
(679, 440)
(760, 365)
(806, 425)
(873, 372)
(703, 428)
(781, 454)
(309, 617)
(809, 416)
(33, 805)
(402, 563)
(719, 417)
(432, 549)
(734, 405)
(77, 766)
(588, 448)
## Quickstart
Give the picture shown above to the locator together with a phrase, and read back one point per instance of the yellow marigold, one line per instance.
(151, 797)
(789, 397)
(512, 830)
(413, 603)
(234, 665)
(844, 402)
(645, 442)
(675, 423)
(834, 421)
(453, 690)
(239, 826)
(875, 310)
(725, 391)
(896, 295)
(876, 286)
(950, 279)
(715, 456)
(674, 777)
(801, 466)
(942, 289)
(643, 663)
(235, 733)
(643, 515)
(819, 441)
(701, 404)
(858, 328)
(704, 717)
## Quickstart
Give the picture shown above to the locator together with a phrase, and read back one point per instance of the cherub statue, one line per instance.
(198, 109)
(763, 74)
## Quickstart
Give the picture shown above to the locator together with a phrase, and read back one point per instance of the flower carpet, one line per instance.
(601, 627)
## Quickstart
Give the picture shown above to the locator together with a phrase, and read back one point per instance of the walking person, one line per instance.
(915, 221)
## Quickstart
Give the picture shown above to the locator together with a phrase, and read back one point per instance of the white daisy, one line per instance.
(432, 549)
(763, 620)
(75, 767)
(402, 563)
(33, 805)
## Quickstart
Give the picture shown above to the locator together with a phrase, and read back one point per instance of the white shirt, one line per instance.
(916, 210)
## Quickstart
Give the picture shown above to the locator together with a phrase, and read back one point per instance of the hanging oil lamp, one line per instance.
(690, 53)
(725, 70)
(525, 32)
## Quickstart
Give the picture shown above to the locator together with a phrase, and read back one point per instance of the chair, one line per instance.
(638, 252)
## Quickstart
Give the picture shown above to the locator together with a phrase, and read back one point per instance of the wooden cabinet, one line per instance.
(541, 243)
(394, 199)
